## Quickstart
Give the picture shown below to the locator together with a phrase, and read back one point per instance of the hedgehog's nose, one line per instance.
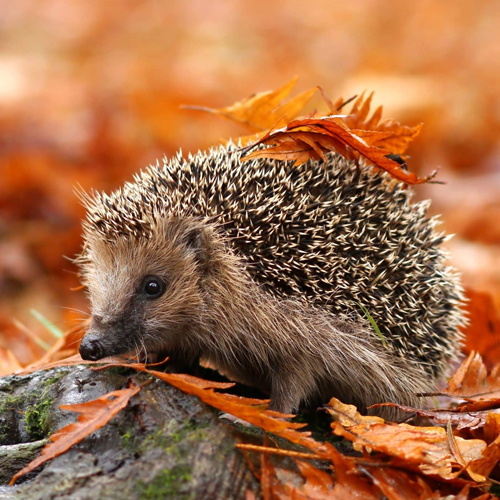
(91, 349)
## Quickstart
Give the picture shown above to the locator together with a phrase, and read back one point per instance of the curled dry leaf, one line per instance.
(313, 138)
(398, 136)
(354, 136)
(457, 418)
(264, 110)
(426, 448)
(483, 465)
(471, 382)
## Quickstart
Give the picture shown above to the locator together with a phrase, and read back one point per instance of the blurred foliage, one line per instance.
(90, 92)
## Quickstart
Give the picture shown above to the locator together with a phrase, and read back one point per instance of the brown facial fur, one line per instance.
(113, 282)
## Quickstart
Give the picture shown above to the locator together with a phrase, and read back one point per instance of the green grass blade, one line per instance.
(374, 325)
(56, 332)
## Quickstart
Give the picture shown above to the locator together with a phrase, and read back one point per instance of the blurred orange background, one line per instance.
(90, 92)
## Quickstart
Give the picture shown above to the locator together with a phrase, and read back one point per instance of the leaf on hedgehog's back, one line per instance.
(397, 137)
(264, 110)
(93, 415)
(311, 138)
(353, 136)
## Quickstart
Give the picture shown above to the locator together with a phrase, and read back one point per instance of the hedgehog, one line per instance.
(308, 282)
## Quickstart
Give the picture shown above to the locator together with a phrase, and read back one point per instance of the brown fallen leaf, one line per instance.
(73, 360)
(457, 418)
(479, 389)
(427, 448)
(302, 140)
(318, 484)
(205, 384)
(399, 485)
(483, 465)
(398, 136)
(267, 473)
(349, 482)
(250, 410)
(264, 110)
(93, 415)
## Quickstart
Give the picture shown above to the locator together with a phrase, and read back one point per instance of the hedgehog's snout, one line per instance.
(91, 348)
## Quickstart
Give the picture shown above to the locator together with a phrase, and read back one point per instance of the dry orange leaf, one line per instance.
(353, 136)
(318, 484)
(73, 360)
(472, 383)
(455, 416)
(93, 415)
(427, 448)
(349, 483)
(264, 110)
(483, 465)
(398, 485)
(305, 139)
(250, 410)
(398, 136)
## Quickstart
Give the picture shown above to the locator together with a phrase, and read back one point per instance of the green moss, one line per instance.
(54, 379)
(174, 438)
(167, 484)
(166, 438)
(35, 417)
(129, 439)
(156, 440)
(8, 403)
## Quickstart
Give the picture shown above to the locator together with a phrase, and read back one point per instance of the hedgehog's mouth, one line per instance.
(93, 347)
(105, 338)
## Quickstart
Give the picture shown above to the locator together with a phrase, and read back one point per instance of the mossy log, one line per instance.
(164, 444)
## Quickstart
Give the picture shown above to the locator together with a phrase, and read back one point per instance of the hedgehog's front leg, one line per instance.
(286, 392)
(285, 398)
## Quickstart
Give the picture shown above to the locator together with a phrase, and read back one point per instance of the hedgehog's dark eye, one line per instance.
(152, 287)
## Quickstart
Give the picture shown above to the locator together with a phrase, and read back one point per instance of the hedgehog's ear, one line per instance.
(195, 240)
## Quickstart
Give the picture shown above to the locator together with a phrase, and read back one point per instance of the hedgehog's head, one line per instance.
(146, 290)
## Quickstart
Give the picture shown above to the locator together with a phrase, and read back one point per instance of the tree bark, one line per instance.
(164, 444)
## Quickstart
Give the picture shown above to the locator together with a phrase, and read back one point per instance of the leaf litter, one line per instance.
(395, 460)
